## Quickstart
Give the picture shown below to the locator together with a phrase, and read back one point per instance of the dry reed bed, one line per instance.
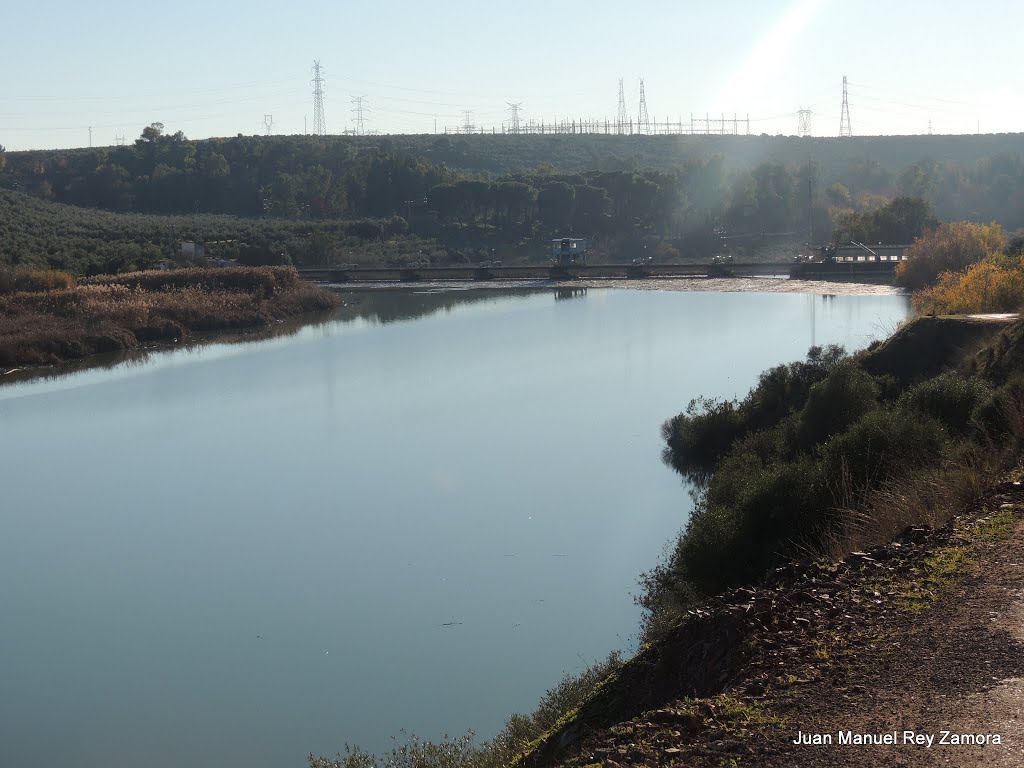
(109, 314)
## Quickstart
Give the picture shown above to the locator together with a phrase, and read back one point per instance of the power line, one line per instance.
(918, 96)
(643, 121)
(319, 124)
(844, 117)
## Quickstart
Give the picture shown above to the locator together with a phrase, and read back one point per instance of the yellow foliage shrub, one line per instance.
(948, 248)
(993, 285)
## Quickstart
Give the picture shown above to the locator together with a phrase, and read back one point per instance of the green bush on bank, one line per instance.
(780, 473)
(951, 399)
(698, 438)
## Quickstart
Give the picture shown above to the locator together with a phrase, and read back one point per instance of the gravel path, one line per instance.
(958, 667)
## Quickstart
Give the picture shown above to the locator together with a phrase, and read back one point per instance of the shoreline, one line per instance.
(13, 373)
(674, 284)
(128, 313)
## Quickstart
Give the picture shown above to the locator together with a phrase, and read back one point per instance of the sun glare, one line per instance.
(767, 57)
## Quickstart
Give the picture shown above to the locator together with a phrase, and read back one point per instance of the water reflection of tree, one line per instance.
(140, 357)
(380, 306)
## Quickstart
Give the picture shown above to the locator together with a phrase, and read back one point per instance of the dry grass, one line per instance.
(12, 280)
(929, 497)
(933, 495)
(117, 313)
(258, 280)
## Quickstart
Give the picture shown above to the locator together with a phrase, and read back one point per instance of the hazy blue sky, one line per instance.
(215, 69)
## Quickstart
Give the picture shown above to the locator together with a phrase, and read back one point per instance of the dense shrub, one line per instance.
(34, 280)
(948, 248)
(995, 284)
(836, 402)
(784, 389)
(949, 398)
(882, 444)
(832, 439)
(698, 438)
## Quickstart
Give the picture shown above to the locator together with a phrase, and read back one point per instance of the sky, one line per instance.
(219, 69)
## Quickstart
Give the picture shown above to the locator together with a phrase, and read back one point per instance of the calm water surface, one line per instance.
(416, 515)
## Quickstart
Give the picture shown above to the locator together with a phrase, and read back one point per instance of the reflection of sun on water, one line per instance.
(767, 57)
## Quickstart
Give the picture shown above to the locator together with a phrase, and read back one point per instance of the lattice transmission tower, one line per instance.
(621, 119)
(319, 124)
(467, 121)
(643, 121)
(844, 117)
(359, 114)
(513, 119)
(268, 124)
(803, 122)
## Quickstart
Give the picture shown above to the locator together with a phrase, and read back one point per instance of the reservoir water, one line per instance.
(417, 514)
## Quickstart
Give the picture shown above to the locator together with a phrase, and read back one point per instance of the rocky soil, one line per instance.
(923, 635)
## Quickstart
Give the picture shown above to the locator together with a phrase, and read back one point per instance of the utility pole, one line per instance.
(803, 122)
(513, 120)
(643, 122)
(621, 118)
(844, 117)
(319, 124)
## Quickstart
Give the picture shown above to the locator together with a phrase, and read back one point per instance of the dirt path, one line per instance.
(957, 667)
(925, 636)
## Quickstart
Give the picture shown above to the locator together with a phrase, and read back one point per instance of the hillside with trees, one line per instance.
(454, 198)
